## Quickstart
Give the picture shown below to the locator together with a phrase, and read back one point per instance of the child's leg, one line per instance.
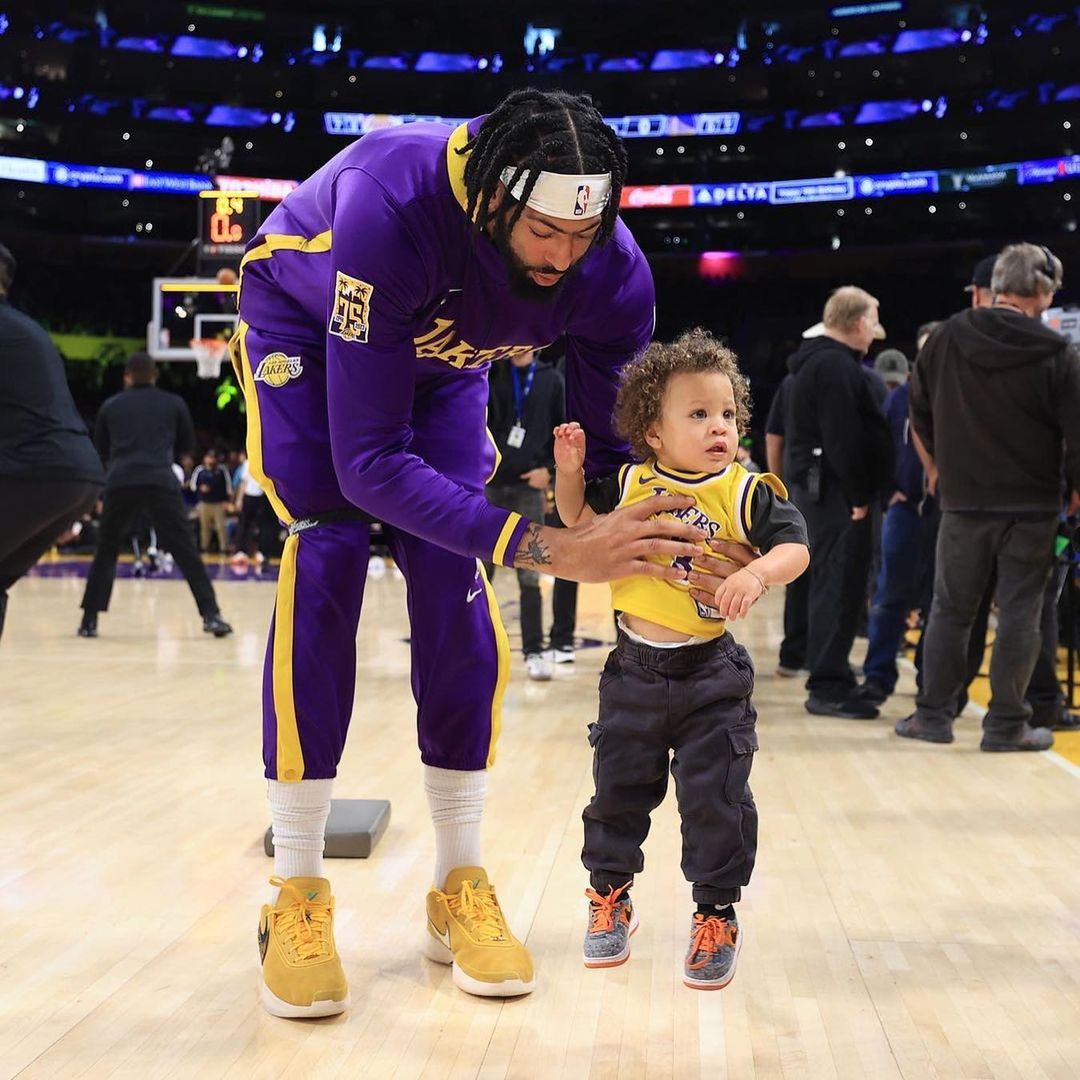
(630, 769)
(714, 739)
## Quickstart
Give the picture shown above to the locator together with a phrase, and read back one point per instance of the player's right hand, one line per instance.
(619, 544)
(570, 447)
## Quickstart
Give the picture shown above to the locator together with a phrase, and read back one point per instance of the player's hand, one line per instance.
(858, 513)
(738, 594)
(616, 545)
(710, 571)
(570, 447)
(537, 478)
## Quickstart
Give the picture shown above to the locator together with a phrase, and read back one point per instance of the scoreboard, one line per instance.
(227, 221)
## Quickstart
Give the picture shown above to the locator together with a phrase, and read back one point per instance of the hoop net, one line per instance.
(209, 354)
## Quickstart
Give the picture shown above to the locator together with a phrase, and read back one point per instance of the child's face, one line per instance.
(697, 431)
(209, 460)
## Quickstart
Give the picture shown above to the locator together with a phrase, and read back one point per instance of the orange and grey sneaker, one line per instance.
(713, 952)
(301, 971)
(466, 928)
(612, 919)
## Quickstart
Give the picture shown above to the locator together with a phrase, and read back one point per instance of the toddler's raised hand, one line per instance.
(569, 447)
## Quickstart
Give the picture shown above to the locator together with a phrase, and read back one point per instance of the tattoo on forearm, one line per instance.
(533, 552)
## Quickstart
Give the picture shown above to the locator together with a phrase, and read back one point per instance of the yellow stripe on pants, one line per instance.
(502, 647)
(244, 371)
(289, 755)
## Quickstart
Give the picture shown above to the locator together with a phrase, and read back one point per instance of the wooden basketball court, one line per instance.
(915, 911)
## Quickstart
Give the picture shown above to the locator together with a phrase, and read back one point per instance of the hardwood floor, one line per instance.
(915, 911)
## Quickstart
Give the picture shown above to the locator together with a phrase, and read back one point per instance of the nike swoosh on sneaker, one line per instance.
(442, 935)
(264, 940)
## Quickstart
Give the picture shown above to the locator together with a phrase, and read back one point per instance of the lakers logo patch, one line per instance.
(277, 369)
(352, 308)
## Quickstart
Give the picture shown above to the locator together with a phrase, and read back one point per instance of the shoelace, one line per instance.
(480, 907)
(305, 923)
(711, 935)
(602, 909)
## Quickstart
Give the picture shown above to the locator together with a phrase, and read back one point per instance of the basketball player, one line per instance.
(372, 302)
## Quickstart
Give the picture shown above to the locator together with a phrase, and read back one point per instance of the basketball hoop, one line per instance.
(209, 354)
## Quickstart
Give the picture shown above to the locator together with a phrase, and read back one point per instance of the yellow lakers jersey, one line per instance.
(723, 510)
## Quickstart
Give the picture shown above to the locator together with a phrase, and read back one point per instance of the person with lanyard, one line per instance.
(372, 302)
(526, 403)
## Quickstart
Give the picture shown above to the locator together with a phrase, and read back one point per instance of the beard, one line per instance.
(517, 273)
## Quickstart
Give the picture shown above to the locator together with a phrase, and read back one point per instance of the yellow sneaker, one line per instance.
(467, 928)
(302, 973)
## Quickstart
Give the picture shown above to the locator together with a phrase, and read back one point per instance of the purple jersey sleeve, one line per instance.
(378, 285)
(599, 342)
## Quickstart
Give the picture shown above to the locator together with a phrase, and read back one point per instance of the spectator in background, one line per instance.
(138, 433)
(561, 642)
(256, 516)
(981, 278)
(838, 458)
(526, 402)
(995, 397)
(796, 593)
(211, 482)
(744, 456)
(901, 542)
(50, 474)
(893, 368)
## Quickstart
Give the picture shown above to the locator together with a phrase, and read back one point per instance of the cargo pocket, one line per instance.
(742, 667)
(596, 738)
(744, 744)
(610, 672)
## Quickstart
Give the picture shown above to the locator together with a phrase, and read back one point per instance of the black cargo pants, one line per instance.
(695, 701)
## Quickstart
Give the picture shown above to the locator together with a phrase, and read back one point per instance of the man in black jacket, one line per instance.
(526, 402)
(139, 433)
(995, 397)
(50, 474)
(838, 457)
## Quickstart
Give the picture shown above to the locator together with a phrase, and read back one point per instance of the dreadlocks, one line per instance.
(535, 130)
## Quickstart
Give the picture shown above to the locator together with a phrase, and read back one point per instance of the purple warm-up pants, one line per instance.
(460, 652)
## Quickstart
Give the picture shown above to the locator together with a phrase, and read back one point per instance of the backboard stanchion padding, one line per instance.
(352, 830)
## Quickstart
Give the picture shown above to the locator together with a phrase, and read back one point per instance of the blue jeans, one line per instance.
(894, 594)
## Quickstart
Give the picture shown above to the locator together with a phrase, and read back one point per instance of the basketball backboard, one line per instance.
(184, 309)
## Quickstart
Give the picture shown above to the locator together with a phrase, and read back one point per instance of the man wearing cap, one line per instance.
(50, 474)
(837, 459)
(373, 300)
(893, 367)
(901, 540)
(981, 277)
(995, 399)
(139, 434)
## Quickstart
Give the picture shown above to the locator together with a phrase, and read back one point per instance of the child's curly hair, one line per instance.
(644, 381)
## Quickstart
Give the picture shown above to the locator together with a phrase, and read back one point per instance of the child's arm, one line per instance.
(783, 564)
(777, 528)
(570, 476)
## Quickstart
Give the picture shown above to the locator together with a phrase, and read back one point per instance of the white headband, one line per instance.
(561, 195)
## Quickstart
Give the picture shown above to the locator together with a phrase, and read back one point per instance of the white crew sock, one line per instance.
(456, 800)
(298, 812)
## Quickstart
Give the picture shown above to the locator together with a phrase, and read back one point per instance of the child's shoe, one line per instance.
(713, 952)
(612, 919)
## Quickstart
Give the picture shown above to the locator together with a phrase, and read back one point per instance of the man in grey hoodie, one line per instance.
(995, 399)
